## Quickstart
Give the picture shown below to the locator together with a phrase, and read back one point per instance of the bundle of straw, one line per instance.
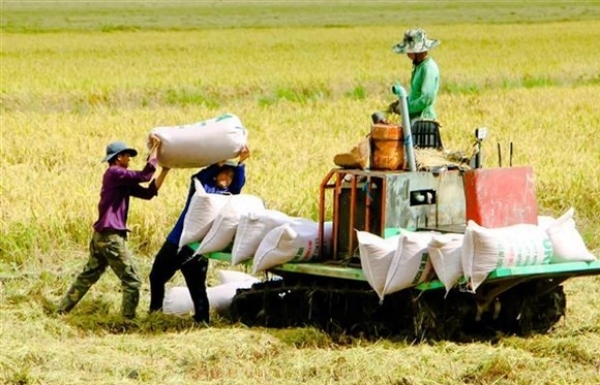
(428, 158)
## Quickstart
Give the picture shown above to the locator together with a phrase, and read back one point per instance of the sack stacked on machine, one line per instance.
(376, 256)
(567, 244)
(201, 213)
(484, 250)
(268, 237)
(252, 229)
(212, 219)
(201, 144)
(395, 263)
(224, 228)
(295, 241)
(411, 264)
(405, 260)
(445, 251)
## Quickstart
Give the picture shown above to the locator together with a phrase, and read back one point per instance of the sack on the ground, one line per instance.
(228, 276)
(179, 302)
(201, 144)
(224, 226)
(221, 296)
(376, 256)
(445, 254)
(567, 244)
(251, 230)
(201, 213)
(296, 241)
(410, 263)
(485, 249)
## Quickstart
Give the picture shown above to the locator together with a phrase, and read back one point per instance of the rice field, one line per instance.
(304, 77)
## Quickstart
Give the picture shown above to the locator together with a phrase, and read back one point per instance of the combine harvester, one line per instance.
(336, 293)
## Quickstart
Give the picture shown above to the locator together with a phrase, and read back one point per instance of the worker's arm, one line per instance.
(161, 177)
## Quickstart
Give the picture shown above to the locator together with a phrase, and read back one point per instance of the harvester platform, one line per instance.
(345, 271)
(337, 298)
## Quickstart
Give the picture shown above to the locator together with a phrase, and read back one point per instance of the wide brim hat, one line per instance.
(116, 148)
(415, 41)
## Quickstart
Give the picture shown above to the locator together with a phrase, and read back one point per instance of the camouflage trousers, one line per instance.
(107, 249)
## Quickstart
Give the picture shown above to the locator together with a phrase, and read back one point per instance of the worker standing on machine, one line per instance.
(424, 87)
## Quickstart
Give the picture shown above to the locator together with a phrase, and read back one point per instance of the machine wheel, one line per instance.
(336, 308)
(532, 308)
(349, 308)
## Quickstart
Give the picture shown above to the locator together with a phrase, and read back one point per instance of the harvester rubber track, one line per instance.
(342, 307)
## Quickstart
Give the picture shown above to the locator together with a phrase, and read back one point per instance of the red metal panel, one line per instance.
(498, 197)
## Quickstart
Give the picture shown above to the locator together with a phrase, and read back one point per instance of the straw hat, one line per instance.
(415, 41)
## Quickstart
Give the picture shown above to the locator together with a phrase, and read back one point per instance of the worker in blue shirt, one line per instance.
(220, 178)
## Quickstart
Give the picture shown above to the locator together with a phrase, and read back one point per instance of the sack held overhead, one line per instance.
(201, 144)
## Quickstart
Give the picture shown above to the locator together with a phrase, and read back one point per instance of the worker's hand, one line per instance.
(154, 141)
(244, 154)
(393, 107)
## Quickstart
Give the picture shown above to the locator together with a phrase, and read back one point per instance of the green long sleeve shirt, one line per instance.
(424, 86)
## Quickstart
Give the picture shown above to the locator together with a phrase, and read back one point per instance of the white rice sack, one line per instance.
(545, 221)
(296, 241)
(251, 230)
(228, 276)
(224, 226)
(376, 255)
(201, 144)
(201, 213)
(179, 302)
(445, 254)
(485, 250)
(221, 296)
(567, 244)
(410, 263)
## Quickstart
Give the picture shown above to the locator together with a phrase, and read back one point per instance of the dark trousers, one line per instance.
(194, 268)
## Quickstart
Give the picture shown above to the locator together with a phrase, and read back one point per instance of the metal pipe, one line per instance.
(383, 199)
(400, 92)
(351, 226)
(368, 205)
(336, 211)
(322, 188)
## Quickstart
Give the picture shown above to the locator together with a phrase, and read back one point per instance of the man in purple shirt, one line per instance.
(108, 246)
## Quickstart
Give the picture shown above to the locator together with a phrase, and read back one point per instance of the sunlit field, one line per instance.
(304, 78)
